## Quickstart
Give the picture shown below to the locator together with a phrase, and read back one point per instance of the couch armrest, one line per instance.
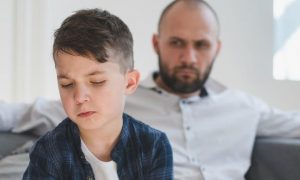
(9, 142)
(275, 159)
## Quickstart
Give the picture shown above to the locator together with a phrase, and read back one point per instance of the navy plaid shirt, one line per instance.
(141, 153)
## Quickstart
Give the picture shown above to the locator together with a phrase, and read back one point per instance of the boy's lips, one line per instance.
(86, 114)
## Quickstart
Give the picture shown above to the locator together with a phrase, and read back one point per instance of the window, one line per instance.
(286, 40)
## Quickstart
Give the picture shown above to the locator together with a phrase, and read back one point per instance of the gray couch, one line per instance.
(275, 159)
(272, 159)
(11, 143)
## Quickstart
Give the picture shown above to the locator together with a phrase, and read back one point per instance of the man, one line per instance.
(211, 128)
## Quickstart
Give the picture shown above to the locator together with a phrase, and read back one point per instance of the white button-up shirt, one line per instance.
(211, 137)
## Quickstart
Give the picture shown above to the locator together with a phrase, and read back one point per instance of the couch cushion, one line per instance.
(10, 142)
(275, 159)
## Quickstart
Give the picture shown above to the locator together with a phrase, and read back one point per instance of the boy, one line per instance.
(93, 58)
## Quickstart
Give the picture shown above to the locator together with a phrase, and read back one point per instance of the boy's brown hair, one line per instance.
(95, 33)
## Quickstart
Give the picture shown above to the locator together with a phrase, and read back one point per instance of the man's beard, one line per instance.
(180, 85)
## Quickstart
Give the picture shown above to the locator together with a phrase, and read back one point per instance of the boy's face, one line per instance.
(93, 93)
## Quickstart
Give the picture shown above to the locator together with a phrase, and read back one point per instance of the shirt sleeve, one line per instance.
(10, 114)
(39, 117)
(40, 165)
(275, 122)
(162, 165)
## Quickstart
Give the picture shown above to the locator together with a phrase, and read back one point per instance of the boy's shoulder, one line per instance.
(141, 127)
(56, 139)
(142, 132)
(140, 141)
(58, 133)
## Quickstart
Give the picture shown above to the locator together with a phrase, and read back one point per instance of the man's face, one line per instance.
(92, 93)
(187, 45)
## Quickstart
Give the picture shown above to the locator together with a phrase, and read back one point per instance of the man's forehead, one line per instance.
(188, 31)
(184, 17)
(190, 38)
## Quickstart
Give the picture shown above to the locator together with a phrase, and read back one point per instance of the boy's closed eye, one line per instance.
(65, 83)
(71, 84)
(98, 82)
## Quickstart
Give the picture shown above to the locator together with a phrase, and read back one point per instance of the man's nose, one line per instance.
(189, 55)
(81, 95)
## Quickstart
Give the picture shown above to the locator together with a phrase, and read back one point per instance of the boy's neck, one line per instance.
(102, 141)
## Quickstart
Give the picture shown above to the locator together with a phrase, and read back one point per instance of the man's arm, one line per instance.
(38, 117)
(277, 123)
(10, 114)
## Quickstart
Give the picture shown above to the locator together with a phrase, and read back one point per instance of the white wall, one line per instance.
(6, 49)
(27, 69)
(245, 61)
(246, 58)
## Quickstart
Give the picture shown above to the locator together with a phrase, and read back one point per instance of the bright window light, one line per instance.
(286, 40)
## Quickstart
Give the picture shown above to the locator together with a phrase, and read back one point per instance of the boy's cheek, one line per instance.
(64, 94)
(61, 91)
(68, 108)
(66, 100)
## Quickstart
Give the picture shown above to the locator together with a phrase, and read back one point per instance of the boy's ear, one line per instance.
(132, 78)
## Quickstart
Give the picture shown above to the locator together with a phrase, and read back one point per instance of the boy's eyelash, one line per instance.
(98, 82)
(66, 85)
(92, 82)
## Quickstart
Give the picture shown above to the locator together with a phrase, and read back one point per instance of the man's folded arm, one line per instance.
(36, 118)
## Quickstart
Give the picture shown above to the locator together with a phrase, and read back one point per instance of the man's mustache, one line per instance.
(186, 67)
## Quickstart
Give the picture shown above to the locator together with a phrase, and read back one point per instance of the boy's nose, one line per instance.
(81, 95)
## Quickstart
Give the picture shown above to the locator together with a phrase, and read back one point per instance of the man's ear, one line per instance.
(155, 43)
(219, 47)
(132, 79)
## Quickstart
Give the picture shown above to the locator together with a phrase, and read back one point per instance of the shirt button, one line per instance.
(188, 128)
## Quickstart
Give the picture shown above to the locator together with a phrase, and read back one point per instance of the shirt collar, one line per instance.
(122, 145)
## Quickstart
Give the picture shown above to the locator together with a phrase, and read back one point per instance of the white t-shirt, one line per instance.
(102, 170)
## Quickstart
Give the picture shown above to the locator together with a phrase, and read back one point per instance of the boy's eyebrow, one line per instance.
(63, 76)
(95, 73)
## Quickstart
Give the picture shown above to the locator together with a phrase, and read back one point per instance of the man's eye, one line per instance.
(176, 43)
(201, 44)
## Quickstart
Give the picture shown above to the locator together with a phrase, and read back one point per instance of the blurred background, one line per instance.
(260, 53)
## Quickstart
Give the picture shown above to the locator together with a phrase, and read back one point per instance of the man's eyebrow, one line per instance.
(201, 41)
(176, 38)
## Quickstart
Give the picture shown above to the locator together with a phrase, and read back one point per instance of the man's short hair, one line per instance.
(95, 33)
(189, 2)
